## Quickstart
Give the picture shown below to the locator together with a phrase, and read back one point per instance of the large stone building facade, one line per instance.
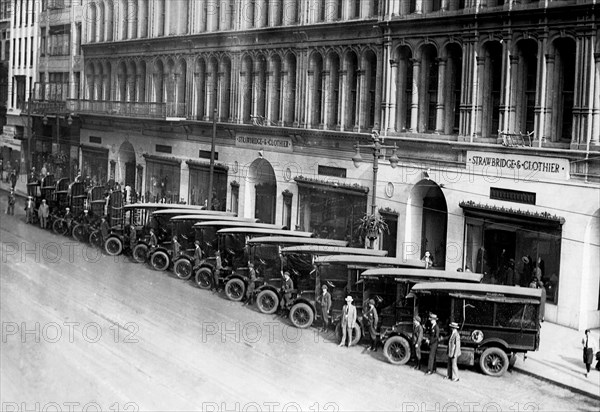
(493, 108)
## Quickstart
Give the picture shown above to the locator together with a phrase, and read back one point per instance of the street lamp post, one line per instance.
(378, 148)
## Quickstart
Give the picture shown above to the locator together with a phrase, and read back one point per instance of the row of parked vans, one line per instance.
(496, 322)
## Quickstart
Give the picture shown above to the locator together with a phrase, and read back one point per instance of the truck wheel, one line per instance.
(113, 246)
(302, 316)
(159, 261)
(356, 333)
(79, 233)
(183, 269)
(59, 226)
(267, 301)
(204, 278)
(493, 362)
(95, 238)
(397, 350)
(140, 253)
(234, 289)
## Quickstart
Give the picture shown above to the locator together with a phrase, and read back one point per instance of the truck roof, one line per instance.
(291, 240)
(171, 211)
(401, 274)
(261, 231)
(161, 206)
(205, 216)
(479, 290)
(368, 261)
(333, 250)
(237, 223)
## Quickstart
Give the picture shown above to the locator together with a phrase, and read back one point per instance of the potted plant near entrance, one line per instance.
(371, 226)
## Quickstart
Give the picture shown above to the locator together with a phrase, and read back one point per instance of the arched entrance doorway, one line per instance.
(261, 189)
(426, 223)
(126, 164)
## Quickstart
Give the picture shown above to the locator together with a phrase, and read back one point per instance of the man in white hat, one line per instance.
(43, 213)
(348, 321)
(453, 352)
(434, 337)
(29, 208)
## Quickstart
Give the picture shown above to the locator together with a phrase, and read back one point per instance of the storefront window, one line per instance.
(162, 181)
(331, 214)
(94, 166)
(199, 177)
(512, 253)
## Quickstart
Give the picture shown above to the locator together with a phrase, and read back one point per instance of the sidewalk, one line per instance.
(559, 360)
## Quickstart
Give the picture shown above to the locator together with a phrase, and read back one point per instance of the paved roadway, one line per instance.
(85, 331)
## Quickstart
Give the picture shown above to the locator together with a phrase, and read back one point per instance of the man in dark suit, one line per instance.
(434, 337)
(417, 339)
(325, 301)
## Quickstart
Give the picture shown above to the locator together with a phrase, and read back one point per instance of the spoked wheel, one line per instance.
(59, 226)
(494, 362)
(183, 269)
(301, 315)
(397, 350)
(96, 238)
(267, 301)
(234, 289)
(113, 246)
(204, 278)
(159, 261)
(79, 233)
(140, 253)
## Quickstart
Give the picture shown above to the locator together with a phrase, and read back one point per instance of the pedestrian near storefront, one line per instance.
(288, 286)
(251, 284)
(153, 241)
(217, 272)
(43, 213)
(453, 353)
(325, 301)
(10, 207)
(348, 321)
(13, 179)
(588, 351)
(197, 254)
(132, 237)
(104, 229)
(417, 340)
(371, 320)
(29, 209)
(434, 337)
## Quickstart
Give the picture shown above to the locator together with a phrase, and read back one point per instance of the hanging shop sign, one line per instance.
(519, 167)
(275, 143)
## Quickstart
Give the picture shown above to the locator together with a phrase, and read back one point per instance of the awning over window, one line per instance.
(485, 211)
(315, 184)
(94, 149)
(162, 159)
(195, 164)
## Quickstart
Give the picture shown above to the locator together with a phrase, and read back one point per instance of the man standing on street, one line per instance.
(29, 208)
(43, 213)
(453, 353)
(325, 301)
(10, 209)
(348, 321)
(371, 322)
(417, 339)
(434, 337)
(104, 229)
(288, 286)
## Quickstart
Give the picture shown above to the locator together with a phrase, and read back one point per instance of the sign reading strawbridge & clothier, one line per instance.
(277, 143)
(522, 167)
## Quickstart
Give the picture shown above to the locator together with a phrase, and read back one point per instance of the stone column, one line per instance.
(441, 100)
(378, 88)
(260, 13)
(392, 102)
(595, 136)
(414, 104)
(479, 88)
(548, 118)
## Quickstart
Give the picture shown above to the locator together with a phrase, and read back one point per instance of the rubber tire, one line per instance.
(160, 261)
(95, 238)
(59, 226)
(267, 301)
(235, 289)
(304, 312)
(397, 350)
(140, 253)
(79, 233)
(183, 269)
(204, 278)
(356, 333)
(493, 362)
(113, 246)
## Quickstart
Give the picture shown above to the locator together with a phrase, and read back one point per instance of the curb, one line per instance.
(557, 383)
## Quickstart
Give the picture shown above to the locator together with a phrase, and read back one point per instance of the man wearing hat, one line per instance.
(325, 301)
(348, 321)
(417, 339)
(286, 289)
(29, 208)
(453, 352)
(434, 337)
(371, 320)
(43, 213)
(10, 209)
(68, 218)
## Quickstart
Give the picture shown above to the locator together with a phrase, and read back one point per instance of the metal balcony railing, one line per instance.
(128, 109)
